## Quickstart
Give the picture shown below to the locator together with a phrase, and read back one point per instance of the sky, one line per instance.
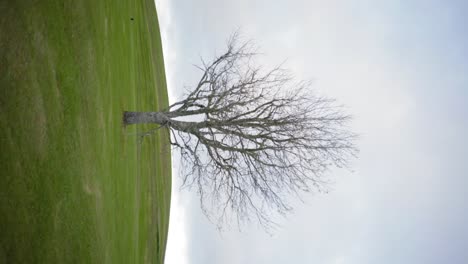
(400, 68)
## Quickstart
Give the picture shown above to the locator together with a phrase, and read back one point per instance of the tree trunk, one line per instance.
(161, 118)
(130, 118)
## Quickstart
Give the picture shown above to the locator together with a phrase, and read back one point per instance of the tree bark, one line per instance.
(130, 118)
(162, 119)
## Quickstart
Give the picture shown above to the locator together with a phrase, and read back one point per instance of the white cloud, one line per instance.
(376, 57)
(177, 243)
(166, 28)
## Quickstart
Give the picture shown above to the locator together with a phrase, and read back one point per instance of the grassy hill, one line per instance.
(76, 186)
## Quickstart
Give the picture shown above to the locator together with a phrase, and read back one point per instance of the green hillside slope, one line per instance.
(76, 186)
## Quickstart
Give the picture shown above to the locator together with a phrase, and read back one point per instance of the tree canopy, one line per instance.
(251, 138)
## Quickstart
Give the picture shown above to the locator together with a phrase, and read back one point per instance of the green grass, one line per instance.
(76, 186)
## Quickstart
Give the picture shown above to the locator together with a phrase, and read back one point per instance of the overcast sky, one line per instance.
(401, 68)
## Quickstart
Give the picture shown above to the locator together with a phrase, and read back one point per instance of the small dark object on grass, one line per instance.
(131, 18)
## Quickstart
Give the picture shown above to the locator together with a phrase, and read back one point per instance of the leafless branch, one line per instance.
(251, 138)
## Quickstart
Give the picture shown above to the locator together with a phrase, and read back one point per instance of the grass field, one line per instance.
(76, 186)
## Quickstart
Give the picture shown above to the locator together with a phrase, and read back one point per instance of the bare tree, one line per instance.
(250, 138)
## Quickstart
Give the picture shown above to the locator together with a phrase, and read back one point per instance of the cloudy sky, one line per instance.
(401, 69)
